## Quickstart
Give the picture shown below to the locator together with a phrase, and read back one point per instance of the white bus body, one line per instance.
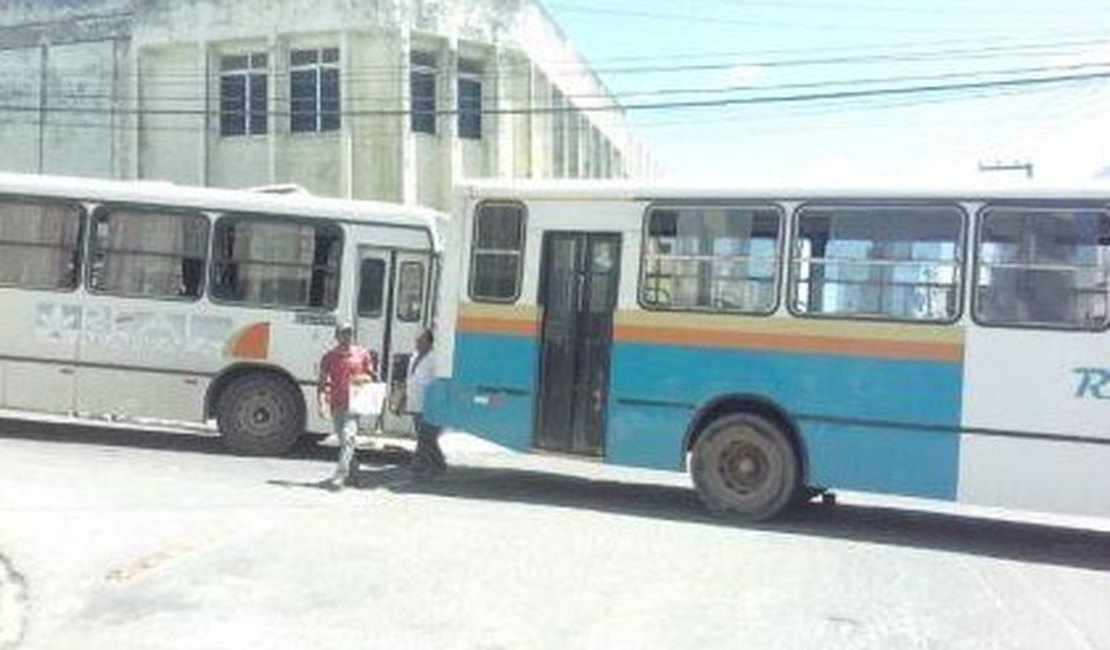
(155, 301)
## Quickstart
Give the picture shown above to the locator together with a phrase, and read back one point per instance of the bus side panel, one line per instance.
(1037, 420)
(1044, 475)
(492, 391)
(876, 424)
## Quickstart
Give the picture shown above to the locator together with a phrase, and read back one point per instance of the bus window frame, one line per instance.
(98, 206)
(473, 255)
(780, 252)
(1032, 204)
(397, 313)
(80, 248)
(339, 224)
(960, 264)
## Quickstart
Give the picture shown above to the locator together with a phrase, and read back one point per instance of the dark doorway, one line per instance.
(578, 294)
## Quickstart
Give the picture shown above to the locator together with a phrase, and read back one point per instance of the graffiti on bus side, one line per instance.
(134, 330)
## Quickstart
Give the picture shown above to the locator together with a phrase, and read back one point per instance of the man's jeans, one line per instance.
(346, 427)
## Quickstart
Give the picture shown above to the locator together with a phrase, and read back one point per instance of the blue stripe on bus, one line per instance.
(655, 390)
(491, 392)
(920, 462)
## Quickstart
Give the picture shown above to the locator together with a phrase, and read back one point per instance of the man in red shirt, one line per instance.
(341, 367)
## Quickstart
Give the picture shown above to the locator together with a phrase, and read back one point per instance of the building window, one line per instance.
(410, 292)
(39, 244)
(148, 252)
(470, 100)
(1043, 267)
(422, 79)
(314, 90)
(497, 252)
(713, 258)
(274, 262)
(885, 262)
(243, 94)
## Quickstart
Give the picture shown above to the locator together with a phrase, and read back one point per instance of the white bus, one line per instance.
(948, 344)
(155, 301)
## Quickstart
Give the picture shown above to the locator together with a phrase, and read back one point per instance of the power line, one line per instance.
(105, 96)
(389, 71)
(739, 22)
(642, 106)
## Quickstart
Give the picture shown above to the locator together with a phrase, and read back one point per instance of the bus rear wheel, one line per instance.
(260, 414)
(744, 465)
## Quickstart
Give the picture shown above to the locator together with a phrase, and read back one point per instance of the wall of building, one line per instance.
(123, 88)
(21, 69)
(61, 67)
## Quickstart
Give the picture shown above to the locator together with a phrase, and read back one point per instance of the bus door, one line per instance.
(578, 293)
(392, 310)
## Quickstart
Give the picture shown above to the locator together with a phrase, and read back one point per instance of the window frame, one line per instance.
(427, 66)
(317, 67)
(960, 264)
(383, 289)
(339, 226)
(780, 252)
(80, 248)
(1031, 205)
(248, 73)
(473, 252)
(469, 71)
(156, 208)
(423, 284)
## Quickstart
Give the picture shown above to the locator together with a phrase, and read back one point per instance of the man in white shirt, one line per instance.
(428, 459)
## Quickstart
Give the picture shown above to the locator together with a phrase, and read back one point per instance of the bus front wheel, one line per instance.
(260, 414)
(744, 465)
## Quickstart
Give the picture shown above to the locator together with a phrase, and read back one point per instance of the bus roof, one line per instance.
(203, 198)
(568, 190)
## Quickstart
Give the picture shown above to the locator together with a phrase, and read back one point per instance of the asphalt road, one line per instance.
(147, 539)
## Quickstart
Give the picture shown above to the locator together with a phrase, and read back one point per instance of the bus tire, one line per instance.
(744, 465)
(260, 414)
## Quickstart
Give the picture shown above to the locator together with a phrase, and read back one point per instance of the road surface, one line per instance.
(149, 540)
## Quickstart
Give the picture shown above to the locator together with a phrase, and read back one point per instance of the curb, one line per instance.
(13, 605)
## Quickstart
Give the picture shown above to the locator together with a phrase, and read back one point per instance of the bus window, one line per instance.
(497, 252)
(885, 262)
(410, 292)
(371, 288)
(276, 262)
(39, 244)
(712, 258)
(1043, 268)
(147, 252)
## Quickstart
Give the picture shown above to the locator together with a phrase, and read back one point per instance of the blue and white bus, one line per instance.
(777, 342)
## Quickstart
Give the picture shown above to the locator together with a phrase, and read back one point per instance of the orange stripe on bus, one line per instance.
(892, 349)
(497, 325)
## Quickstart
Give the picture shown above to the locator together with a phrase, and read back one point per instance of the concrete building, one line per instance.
(383, 99)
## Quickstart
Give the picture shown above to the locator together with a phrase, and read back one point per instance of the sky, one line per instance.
(835, 90)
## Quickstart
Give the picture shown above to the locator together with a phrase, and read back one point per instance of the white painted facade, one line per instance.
(125, 89)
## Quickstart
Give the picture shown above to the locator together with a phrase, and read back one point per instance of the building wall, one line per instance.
(121, 88)
(19, 129)
(171, 124)
(62, 66)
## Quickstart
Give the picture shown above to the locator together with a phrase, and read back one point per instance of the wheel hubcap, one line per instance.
(260, 415)
(744, 467)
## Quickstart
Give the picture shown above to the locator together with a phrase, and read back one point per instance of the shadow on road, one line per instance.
(187, 442)
(1024, 542)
